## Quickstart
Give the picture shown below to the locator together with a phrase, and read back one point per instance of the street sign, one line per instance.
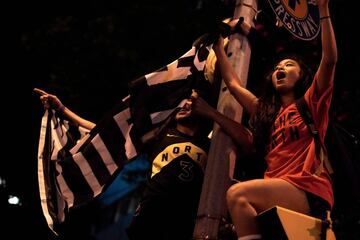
(299, 17)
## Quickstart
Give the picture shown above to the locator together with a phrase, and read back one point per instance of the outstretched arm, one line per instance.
(52, 101)
(242, 95)
(238, 132)
(326, 71)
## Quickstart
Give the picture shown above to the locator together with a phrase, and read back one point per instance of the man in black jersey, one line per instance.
(170, 200)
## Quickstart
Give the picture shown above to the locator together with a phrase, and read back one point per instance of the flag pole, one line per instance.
(222, 154)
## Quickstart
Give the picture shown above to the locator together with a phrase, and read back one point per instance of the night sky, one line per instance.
(88, 61)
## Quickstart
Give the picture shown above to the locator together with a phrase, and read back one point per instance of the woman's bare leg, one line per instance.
(246, 199)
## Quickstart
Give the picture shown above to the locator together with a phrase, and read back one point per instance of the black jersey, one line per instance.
(170, 200)
(178, 164)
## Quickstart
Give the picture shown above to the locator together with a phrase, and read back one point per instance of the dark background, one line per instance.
(87, 57)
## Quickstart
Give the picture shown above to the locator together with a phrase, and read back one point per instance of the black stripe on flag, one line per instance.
(114, 141)
(186, 61)
(96, 164)
(75, 181)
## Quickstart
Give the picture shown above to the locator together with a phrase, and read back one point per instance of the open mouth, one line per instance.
(185, 109)
(280, 75)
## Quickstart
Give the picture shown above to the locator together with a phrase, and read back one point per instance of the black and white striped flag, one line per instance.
(74, 165)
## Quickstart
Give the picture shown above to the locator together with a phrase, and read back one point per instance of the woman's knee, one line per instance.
(235, 195)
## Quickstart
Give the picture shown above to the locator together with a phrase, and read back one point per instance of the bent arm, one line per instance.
(52, 101)
(326, 71)
(238, 132)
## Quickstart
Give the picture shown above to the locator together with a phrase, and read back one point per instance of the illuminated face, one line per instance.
(185, 112)
(285, 75)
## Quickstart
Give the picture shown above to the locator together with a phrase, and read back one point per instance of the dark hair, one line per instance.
(270, 102)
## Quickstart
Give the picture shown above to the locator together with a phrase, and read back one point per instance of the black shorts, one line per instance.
(318, 206)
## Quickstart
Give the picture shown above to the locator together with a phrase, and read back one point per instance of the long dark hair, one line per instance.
(270, 102)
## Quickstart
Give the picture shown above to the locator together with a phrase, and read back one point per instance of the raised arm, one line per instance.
(326, 71)
(242, 95)
(53, 101)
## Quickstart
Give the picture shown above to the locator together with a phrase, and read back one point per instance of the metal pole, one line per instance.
(222, 153)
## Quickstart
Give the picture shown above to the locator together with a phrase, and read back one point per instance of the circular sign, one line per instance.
(299, 17)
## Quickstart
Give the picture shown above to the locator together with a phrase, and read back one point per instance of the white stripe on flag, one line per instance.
(87, 172)
(41, 177)
(59, 137)
(64, 188)
(173, 72)
(79, 144)
(121, 120)
(129, 146)
(101, 148)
